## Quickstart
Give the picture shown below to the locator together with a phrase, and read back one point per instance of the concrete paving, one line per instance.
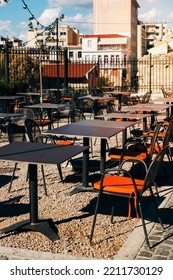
(161, 241)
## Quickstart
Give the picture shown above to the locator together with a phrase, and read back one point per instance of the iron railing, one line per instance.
(37, 68)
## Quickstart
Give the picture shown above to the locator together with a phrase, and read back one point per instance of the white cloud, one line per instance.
(81, 22)
(2, 3)
(72, 3)
(170, 16)
(151, 15)
(49, 15)
(5, 27)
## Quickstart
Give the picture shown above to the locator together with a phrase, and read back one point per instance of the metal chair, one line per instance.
(136, 148)
(16, 133)
(26, 113)
(119, 182)
(88, 107)
(75, 115)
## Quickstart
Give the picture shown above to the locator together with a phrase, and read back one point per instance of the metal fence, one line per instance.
(37, 68)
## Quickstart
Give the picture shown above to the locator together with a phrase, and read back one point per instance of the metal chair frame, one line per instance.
(135, 192)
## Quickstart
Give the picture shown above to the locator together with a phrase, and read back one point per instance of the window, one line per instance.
(99, 58)
(106, 58)
(117, 58)
(112, 58)
(70, 54)
(79, 55)
(89, 43)
(94, 58)
(87, 57)
(63, 33)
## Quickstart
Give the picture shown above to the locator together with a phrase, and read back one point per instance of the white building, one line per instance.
(105, 47)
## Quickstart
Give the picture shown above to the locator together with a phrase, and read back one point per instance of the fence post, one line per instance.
(6, 53)
(150, 75)
(65, 68)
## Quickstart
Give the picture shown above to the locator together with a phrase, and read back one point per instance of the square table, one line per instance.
(33, 95)
(6, 118)
(9, 116)
(126, 116)
(150, 107)
(36, 153)
(7, 99)
(92, 128)
(167, 100)
(96, 99)
(120, 94)
(48, 107)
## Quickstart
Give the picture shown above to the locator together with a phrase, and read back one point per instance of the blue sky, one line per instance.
(78, 13)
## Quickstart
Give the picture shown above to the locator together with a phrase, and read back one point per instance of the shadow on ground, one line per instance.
(13, 207)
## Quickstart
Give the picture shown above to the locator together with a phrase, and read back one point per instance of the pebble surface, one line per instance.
(72, 215)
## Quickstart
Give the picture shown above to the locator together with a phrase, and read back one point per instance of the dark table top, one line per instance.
(149, 107)
(91, 128)
(124, 115)
(96, 97)
(10, 115)
(12, 97)
(39, 153)
(32, 93)
(47, 106)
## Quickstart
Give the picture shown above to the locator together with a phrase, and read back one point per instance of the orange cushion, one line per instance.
(43, 122)
(117, 153)
(63, 142)
(119, 184)
(67, 98)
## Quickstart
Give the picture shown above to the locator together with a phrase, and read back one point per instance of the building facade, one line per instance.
(67, 36)
(117, 17)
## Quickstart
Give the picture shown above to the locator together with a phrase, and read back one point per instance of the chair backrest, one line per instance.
(111, 107)
(32, 129)
(44, 139)
(26, 114)
(86, 105)
(154, 139)
(164, 92)
(75, 115)
(146, 97)
(153, 169)
(16, 133)
(169, 134)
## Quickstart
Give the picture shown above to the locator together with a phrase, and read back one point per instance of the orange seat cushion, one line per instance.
(119, 184)
(63, 142)
(117, 153)
(43, 122)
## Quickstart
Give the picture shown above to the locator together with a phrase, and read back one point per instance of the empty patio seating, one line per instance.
(119, 182)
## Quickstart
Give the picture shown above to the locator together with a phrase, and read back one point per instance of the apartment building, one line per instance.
(155, 32)
(117, 17)
(67, 36)
(141, 41)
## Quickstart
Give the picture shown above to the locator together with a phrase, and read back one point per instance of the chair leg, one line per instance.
(112, 209)
(95, 216)
(112, 214)
(44, 182)
(143, 224)
(157, 210)
(60, 172)
(12, 177)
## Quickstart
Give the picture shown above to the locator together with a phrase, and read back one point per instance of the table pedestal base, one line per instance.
(43, 226)
(81, 188)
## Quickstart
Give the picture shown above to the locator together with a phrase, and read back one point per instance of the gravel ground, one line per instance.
(72, 215)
